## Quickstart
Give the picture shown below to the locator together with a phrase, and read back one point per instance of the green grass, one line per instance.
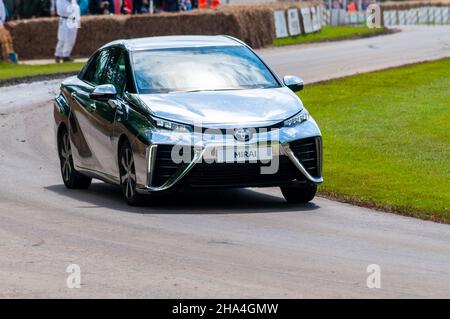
(14, 71)
(386, 138)
(331, 33)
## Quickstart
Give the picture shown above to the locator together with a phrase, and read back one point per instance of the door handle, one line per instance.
(92, 106)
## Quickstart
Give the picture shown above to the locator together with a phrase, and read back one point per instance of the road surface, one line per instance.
(239, 243)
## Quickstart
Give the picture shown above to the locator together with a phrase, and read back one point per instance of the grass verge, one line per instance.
(332, 33)
(386, 139)
(17, 71)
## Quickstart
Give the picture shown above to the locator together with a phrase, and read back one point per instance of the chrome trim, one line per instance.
(319, 154)
(151, 157)
(97, 174)
(287, 150)
(198, 154)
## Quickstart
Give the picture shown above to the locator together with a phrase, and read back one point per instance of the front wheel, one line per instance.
(71, 178)
(128, 176)
(300, 193)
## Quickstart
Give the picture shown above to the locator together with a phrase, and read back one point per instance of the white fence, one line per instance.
(421, 15)
(295, 21)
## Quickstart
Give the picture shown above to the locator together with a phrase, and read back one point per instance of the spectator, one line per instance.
(84, 7)
(99, 7)
(186, 5)
(33, 8)
(120, 7)
(69, 22)
(5, 37)
(127, 7)
(171, 5)
(11, 8)
(137, 6)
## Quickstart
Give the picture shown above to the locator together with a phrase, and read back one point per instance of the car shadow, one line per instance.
(232, 201)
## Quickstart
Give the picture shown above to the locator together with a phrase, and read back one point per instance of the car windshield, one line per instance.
(200, 69)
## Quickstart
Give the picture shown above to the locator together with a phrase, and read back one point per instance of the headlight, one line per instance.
(298, 118)
(168, 125)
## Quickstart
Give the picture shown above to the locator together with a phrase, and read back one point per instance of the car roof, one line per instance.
(178, 41)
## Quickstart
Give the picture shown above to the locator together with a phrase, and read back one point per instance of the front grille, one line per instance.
(242, 174)
(309, 152)
(164, 166)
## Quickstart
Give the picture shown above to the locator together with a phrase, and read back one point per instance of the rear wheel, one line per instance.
(299, 193)
(72, 178)
(128, 175)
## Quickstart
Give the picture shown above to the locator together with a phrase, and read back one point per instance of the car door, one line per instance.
(84, 109)
(104, 115)
(81, 110)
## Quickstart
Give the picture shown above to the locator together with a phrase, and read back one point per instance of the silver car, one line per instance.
(159, 114)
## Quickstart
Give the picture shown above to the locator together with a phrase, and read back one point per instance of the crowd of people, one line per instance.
(69, 12)
(25, 9)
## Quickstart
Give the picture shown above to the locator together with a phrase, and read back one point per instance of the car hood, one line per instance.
(234, 108)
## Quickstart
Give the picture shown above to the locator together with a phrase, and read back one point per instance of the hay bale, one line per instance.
(252, 23)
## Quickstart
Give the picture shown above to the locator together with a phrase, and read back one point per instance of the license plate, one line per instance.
(244, 154)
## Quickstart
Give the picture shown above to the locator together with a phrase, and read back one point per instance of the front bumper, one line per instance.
(282, 142)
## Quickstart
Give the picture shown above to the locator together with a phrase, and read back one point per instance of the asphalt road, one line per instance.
(239, 243)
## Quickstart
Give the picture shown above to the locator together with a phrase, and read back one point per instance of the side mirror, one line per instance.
(104, 92)
(293, 82)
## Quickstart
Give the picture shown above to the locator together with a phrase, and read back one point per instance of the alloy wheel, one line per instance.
(66, 157)
(128, 174)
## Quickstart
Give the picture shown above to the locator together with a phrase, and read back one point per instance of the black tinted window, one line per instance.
(96, 70)
(116, 73)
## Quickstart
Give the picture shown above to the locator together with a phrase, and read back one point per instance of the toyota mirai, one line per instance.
(156, 115)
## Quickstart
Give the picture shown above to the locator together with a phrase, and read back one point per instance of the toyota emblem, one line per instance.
(242, 134)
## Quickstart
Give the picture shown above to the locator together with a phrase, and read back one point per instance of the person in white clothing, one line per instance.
(69, 23)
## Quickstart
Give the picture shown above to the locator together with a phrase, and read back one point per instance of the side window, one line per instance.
(116, 73)
(94, 73)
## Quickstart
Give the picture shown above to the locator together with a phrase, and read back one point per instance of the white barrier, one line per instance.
(401, 17)
(445, 15)
(293, 22)
(280, 24)
(421, 15)
(311, 20)
(307, 22)
(390, 17)
(315, 19)
(437, 15)
(324, 16)
(334, 17)
(342, 17)
(412, 16)
(352, 18)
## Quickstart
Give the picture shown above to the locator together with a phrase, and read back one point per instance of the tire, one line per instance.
(128, 175)
(71, 178)
(300, 193)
